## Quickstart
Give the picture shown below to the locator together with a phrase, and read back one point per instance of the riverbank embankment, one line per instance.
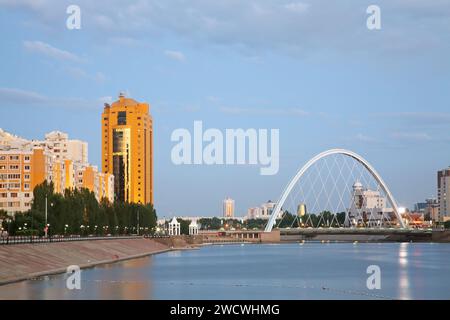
(26, 261)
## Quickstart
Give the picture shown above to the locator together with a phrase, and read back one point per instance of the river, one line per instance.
(260, 271)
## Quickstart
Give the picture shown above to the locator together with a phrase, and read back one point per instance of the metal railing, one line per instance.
(51, 239)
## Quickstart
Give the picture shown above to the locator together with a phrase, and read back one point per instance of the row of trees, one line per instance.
(78, 212)
(288, 220)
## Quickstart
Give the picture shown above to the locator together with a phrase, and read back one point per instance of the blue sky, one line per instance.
(309, 68)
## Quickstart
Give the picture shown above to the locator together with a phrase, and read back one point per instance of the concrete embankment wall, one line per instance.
(441, 236)
(182, 241)
(25, 261)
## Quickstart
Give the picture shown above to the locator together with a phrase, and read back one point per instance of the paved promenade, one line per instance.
(25, 261)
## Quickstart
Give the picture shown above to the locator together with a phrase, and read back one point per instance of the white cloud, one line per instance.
(412, 27)
(19, 96)
(50, 51)
(79, 73)
(264, 111)
(363, 138)
(418, 119)
(175, 55)
(297, 7)
(412, 136)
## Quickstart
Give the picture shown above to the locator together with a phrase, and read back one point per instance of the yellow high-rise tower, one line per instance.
(127, 149)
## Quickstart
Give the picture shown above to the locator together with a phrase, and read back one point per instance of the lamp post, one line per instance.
(46, 225)
(138, 222)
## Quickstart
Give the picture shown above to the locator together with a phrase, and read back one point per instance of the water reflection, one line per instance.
(403, 285)
(285, 271)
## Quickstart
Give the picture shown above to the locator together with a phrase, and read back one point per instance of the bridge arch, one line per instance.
(311, 162)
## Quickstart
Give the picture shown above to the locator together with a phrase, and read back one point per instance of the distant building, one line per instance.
(254, 213)
(420, 207)
(267, 209)
(432, 209)
(57, 144)
(443, 184)
(228, 208)
(262, 212)
(368, 207)
(301, 210)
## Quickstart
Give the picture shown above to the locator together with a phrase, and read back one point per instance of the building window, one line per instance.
(26, 186)
(27, 195)
(27, 158)
(14, 158)
(27, 168)
(13, 194)
(27, 177)
(2, 158)
(122, 118)
(2, 167)
(14, 167)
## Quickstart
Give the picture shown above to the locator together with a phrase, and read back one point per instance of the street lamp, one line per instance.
(46, 216)
(138, 222)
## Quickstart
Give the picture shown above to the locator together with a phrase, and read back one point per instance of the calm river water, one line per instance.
(284, 271)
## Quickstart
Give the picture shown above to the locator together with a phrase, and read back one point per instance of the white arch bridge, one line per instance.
(345, 154)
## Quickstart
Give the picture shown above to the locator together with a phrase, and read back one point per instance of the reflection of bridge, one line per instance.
(349, 154)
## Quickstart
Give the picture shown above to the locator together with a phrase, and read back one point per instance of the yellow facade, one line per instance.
(88, 178)
(69, 174)
(38, 167)
(127, 149)
(20, 172)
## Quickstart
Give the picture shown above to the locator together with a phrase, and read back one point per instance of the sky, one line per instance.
(311, 69)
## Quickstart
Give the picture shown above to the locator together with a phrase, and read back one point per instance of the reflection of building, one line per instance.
(228, 208)
(443, 194)
(368, 207)
(127, 149)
